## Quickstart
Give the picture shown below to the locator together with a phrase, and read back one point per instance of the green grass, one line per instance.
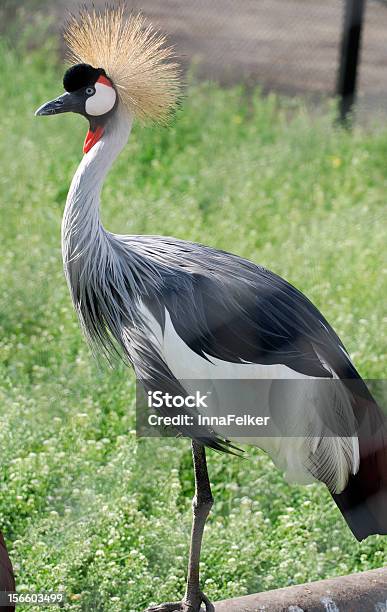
(86, 507)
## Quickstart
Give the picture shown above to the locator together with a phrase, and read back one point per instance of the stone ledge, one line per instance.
(362, 592)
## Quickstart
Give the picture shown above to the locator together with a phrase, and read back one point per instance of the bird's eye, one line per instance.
(90, 91)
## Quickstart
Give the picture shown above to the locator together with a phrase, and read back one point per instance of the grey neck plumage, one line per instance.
(81, 225)
(89, 257)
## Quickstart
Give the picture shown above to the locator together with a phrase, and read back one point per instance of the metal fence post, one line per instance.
(349, 56)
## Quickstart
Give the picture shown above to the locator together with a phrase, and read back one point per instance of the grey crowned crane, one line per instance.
(177, 310)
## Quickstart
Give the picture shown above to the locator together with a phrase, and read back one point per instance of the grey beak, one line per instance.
(66, 103)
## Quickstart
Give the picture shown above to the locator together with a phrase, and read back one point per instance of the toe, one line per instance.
(166, 607)
(207, 603)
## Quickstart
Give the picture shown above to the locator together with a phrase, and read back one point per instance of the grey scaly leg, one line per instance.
(201, 506)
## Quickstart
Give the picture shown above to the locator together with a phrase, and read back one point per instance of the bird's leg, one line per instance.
(201, 506)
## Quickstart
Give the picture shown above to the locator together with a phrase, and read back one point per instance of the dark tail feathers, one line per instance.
(363, 502)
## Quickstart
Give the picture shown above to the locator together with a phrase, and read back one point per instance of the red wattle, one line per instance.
(92, 137)
(104, 81)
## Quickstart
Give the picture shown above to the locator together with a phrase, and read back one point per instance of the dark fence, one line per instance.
(349, 58)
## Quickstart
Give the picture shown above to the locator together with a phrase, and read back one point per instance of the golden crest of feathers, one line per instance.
(134, 56)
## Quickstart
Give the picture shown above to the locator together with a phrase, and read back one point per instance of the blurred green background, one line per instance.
(86, 507)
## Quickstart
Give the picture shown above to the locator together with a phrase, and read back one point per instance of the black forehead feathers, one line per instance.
(81, 75)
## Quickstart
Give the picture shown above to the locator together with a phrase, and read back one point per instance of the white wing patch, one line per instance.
(102, 101)
(306, 446)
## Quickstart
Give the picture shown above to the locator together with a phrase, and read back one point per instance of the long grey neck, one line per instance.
(82, 230)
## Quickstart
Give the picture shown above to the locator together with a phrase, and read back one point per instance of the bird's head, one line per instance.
(115, 61)
(90, 93)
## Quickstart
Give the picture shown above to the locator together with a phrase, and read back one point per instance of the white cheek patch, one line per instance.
(102, 101)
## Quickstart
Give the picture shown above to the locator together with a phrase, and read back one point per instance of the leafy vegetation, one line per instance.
(85, 506)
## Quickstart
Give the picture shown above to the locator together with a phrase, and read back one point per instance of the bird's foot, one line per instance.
(193, 605)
